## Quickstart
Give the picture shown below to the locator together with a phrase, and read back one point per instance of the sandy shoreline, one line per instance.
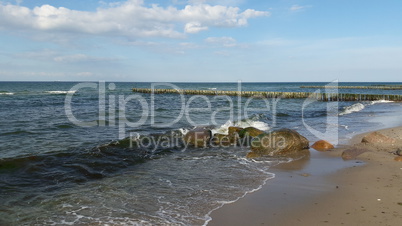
(325, 189)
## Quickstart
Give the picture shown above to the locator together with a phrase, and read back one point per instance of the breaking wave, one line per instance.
(359, 106)
(224, 129)
(60, 92)
(6, 93)
(380, 102)
(353, 108)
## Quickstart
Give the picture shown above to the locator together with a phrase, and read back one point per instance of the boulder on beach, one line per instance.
(322, 145)
(198, 137)
(283, 142)
(378, 138)
(352, 153)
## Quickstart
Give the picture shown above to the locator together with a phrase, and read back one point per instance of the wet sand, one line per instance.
(324, 189)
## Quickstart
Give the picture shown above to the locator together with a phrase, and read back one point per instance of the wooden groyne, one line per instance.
(395, 87)
(283, 95)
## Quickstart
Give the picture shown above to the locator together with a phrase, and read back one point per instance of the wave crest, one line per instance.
(353, 108)
(60, 92)
(359, 106)
(380, 102)
(224, 129)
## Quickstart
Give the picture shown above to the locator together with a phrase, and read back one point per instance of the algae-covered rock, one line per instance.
(282, 142)
(234, 134)
(221, 140)
(198, 137)
(234, 129)
(246, 135)
(250, 131)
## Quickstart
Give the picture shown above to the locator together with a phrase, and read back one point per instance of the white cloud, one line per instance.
(51, 55)
(40, 55)
(85, 74)
(218, 2)
(129, 19)
(295, 8)
(15, 75)
(194, 27)
(80, 58)
(189, 45)
(277, 42)
(222, 53)
(222, 41)
(139, 43)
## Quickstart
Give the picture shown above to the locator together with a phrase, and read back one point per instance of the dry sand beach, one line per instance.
(325, 189)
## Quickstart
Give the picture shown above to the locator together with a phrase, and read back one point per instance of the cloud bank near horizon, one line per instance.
(132, 19)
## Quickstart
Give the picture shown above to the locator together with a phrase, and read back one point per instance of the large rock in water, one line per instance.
(246, 135)
(284, 142)
(232, 130)
(250, 131)
(221, 140)
(233, 133)
(198, 137)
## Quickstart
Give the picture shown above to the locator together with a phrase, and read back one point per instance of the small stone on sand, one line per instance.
(398, 158)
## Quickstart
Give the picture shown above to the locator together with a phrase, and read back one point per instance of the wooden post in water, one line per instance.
(389, 87)
(283, 95)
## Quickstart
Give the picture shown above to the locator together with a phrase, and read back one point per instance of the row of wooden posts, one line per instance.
(394, 87)
(284, 95)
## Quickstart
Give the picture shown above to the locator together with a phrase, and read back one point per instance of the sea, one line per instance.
(95, 153)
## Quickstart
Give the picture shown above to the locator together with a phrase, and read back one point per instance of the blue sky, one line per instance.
(201, 40)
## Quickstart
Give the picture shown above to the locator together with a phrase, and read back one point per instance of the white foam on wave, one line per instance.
(224, 129)
(183, 131)
(359, 106)
(60, 92)
(353, 108)
(6, 93)
(380, 102)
